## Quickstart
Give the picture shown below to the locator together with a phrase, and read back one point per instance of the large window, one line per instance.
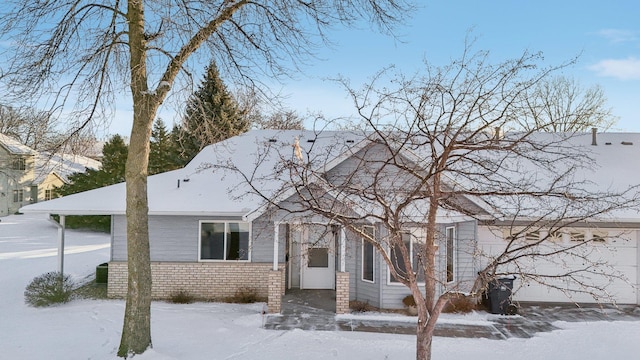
(450, 235)
(224, 241)
(367, 255)
(414, 243)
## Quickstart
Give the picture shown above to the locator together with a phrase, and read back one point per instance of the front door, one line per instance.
(318, 258)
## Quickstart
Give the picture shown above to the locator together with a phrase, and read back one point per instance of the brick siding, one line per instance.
(342, 292)
(203, 280)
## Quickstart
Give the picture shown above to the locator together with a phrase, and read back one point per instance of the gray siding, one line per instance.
(363, 290)
(262, 240)
(466, 233)
(392, 294)
(171, 238)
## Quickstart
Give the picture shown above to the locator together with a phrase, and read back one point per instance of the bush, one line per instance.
(245, 296)
(181, 297)
(48, 289)
(409, 301)
(460, 303)
(361, 306)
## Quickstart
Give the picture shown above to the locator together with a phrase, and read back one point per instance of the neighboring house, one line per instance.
(211, 235)
(27, 176)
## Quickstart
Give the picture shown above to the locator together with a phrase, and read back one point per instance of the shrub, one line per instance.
(181, 297)
(48, 289)
(360, 306)
(460, 303)
(409, 301)
(245, 296)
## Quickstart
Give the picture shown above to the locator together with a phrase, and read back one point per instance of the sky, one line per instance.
(605, 35)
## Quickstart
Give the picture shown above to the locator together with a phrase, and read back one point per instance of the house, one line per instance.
(212, 233)
(27, 176)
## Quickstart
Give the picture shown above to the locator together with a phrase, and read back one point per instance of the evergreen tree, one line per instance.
(212, 115)
(114, 157)
(164, 155)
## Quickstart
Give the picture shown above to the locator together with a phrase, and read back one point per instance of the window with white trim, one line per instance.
(224, 240)
(48, 194)
(368, 264)
(414, 242)
(450, 247)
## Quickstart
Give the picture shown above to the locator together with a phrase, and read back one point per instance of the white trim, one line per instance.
(276, 239)
(226, 224)
(373, 254)
(343, 248)
(454, 257)
(412, 231)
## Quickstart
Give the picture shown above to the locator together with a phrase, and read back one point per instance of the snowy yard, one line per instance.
(91, 329)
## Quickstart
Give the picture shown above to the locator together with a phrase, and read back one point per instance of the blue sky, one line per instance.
(606, 35)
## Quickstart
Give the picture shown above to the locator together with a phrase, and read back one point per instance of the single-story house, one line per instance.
(212, 233)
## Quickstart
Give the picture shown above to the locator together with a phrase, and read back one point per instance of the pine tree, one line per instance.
(114, 157)
(163, 155)
(211, 115)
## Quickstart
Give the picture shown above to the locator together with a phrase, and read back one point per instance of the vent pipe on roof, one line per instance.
(178, 183)
(594, 136)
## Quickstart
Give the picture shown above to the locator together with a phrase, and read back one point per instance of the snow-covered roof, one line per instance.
(62, 165)
(14, 146)
(202, 187)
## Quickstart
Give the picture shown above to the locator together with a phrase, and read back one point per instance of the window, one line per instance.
(576, 236)
(588, 235)
(48, 194)
(450, 235)
(532, 235)
(367, 255)
(224, 241)
(19, 164)
(318, 258)
(18, 195)
(414, 243)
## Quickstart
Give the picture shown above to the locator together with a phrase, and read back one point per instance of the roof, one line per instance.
(63, 165)
(14, 146)
(203, 189)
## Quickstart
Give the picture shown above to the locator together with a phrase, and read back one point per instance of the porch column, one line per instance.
(343, 248)
(61, 245)
(276, 236)
(342, 277)
(276, 277)
(342, 293)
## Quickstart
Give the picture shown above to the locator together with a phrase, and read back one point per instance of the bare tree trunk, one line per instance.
(136, 332)
(424, 339)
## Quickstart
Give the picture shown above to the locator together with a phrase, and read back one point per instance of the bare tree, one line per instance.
(428, 151)
(280, 120)
(561, 104)
(81, 54)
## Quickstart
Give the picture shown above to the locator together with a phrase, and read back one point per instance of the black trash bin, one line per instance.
(102, 273)
(499, 296)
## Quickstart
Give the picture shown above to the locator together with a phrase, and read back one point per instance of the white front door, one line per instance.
(318, 258)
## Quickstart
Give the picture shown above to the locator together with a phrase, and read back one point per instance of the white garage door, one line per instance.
(617, 254)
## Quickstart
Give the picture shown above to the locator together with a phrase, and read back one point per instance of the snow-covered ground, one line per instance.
(91, 329)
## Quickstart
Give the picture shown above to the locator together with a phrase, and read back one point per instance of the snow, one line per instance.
(90, 329)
